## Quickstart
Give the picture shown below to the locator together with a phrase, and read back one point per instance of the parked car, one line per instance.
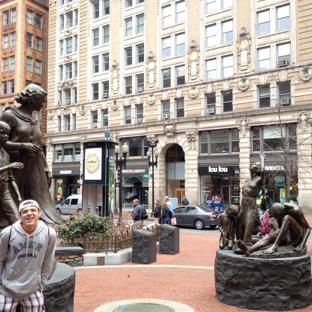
(198, 216)
(71, 205)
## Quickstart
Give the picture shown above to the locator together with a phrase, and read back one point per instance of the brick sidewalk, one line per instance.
(187, 277)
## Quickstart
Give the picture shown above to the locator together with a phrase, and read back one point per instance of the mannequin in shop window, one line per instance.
(248, 216)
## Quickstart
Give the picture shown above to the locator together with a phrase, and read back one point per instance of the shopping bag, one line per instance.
(173, 221)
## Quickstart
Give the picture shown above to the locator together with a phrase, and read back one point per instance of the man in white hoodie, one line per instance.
(26, 255)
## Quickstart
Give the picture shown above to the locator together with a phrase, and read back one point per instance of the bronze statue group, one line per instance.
(286, 222)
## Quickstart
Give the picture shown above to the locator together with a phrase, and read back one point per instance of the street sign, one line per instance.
(147, 175)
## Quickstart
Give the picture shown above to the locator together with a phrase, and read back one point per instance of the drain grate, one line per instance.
(143, 307)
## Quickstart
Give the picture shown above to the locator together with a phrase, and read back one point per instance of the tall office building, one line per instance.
(24, 29)
(216, 82)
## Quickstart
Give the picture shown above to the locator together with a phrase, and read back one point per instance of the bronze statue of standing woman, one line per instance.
(24, 145)
(248, 216)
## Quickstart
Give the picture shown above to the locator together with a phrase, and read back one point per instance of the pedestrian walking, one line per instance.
(137, 215)
(157, 212)
(165, 219)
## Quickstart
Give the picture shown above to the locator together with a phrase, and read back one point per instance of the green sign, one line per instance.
(147, 175)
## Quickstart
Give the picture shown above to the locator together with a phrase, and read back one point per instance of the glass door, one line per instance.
(225, 194)
(179, 194)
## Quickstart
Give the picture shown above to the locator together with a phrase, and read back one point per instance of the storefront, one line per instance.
(135, 185)
(221, 181)
(66, 181)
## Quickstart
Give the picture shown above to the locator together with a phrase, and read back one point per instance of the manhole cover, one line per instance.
(143, 307)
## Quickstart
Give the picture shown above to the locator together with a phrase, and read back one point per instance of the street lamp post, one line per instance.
(152, 161)
(120, 164)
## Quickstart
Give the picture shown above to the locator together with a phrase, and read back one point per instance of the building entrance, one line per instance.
(179, 194)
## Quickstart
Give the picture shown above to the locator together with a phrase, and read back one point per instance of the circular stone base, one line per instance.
(263, 284)
(150, 307)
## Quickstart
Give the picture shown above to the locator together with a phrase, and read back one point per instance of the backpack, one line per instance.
(144, 213)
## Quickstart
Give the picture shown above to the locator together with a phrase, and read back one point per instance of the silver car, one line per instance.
(198, 216)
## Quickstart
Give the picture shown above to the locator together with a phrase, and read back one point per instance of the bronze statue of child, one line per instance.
(226, 225)
(7, 205)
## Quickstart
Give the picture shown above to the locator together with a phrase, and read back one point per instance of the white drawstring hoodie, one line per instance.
(25, 260)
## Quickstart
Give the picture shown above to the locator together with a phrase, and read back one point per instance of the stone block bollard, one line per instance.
(143, 247)
(169, 239)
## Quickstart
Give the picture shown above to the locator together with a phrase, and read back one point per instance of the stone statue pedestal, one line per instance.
(275, 284)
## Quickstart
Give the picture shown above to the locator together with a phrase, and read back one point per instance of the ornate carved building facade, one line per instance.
(216, 82)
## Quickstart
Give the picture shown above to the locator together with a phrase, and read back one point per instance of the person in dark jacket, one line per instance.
(157, 212)
(165, 219)
(137, 215)
(264, 204)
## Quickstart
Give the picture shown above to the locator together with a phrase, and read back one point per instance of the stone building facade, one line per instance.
(215, 82)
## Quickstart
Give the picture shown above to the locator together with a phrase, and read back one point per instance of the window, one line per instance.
(165, 105)
(60, 97)
(39, 20)
(95, 37)
(211, 69)
(105, 30)
(29, 64)
(59, 129)
(75, 93)
(66, 122)
(12, 39)
(173, 13)
(219, 141)
(211, 6)
(5, 18)
(263, 22)
(69, 45)
(180, 12)
(95, 64)
(13, 15)
(140, 24)
(274, 138)
(284, 93)
(94, 120)
(95, 91)
(69, 70)
(166, 47)
(227, 32)
(38, 67)
(128, 56)
(139, 113)
(12, 62)
(4, 64)
(74, 126)
(140, 53)
(128, 27)
(179, 107)
(210, 103)
(166, 78)
(38, 44)
(283, 54)
(105, 7)
(227, 66)
(67, 152)
(30, 17)
(127, 113)
(137, 147)
(128, 3)
(283, 18)
(11, 86)
(5, 41)
(226, 4)
(61, 47)
(264, 96)
(75, 64)
(105, 60)
(105, 117)
(69, 19)
(180, 75)
(3, 87)
(166, 16)
(60, 72)
(75, 43)
(211, 36)
(180, 44)
(105, 88)
(62, 22)
(264, 62)
(128, 85)
(96, 10)
(29, 40)
(227, 101)
(140, 82)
